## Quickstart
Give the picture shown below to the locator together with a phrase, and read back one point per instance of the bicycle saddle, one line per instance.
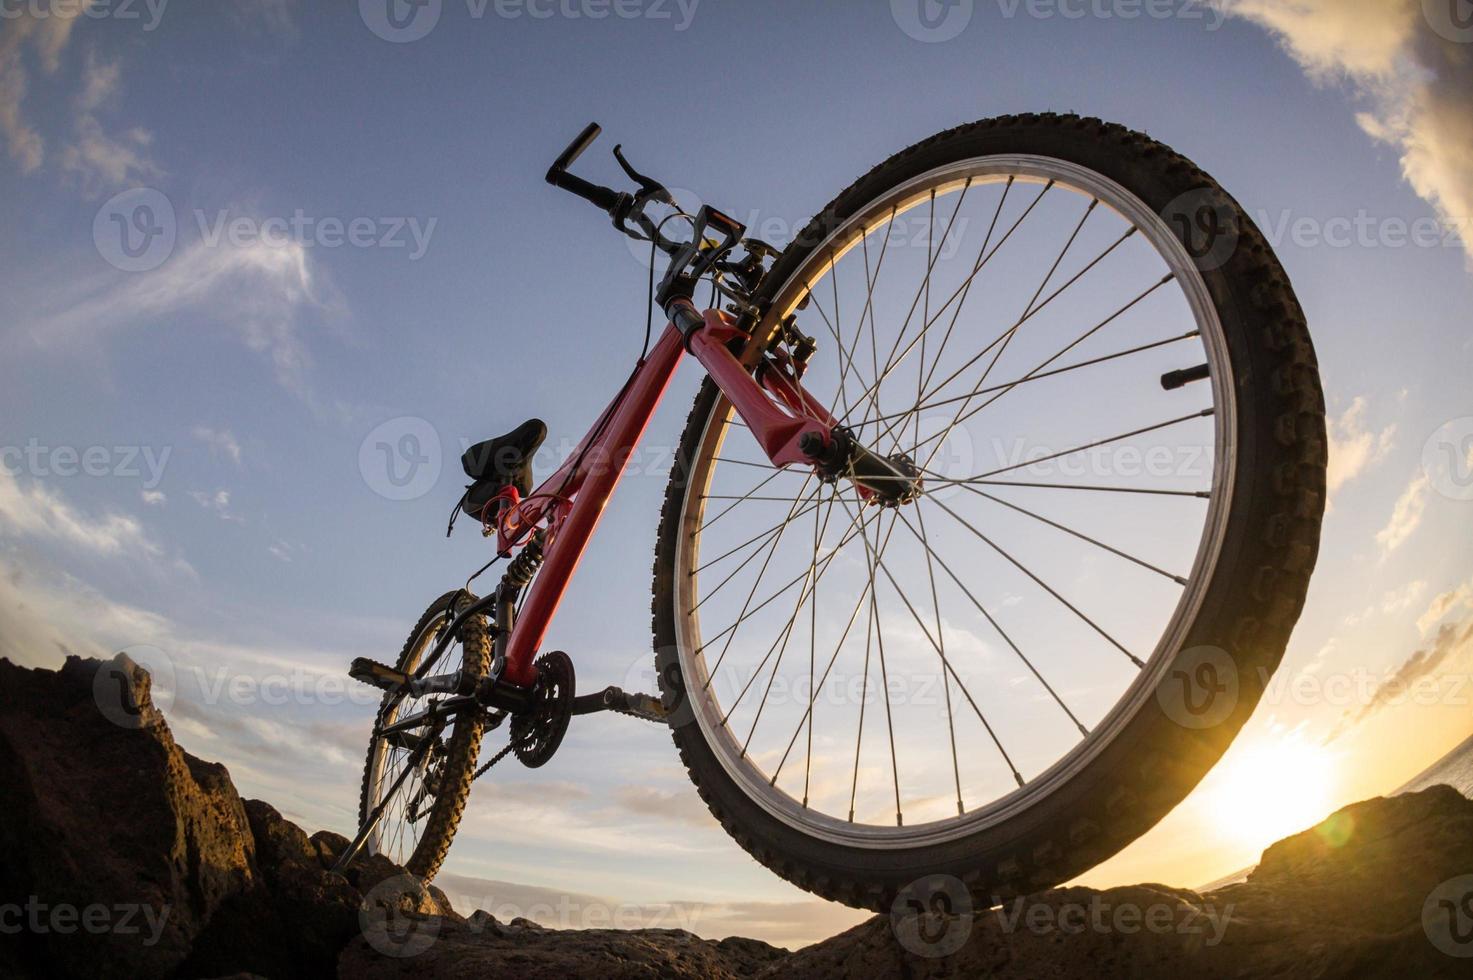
(505, 460)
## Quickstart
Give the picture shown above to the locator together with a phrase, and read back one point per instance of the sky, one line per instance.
(347, 245)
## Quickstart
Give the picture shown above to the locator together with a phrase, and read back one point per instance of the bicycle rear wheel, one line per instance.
(420, 821)
(1102, 372)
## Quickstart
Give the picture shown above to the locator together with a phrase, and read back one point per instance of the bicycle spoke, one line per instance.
(869, 298)
(1028, 312)
(787, 628)
(1179, 580)
(946, 668)
(925, 287)
(1199, 494)
(884, 679)
(1030, 376)
(1035, 373)
(967, 286)
(755, 538)
(810, 589)
(1042, 584)
(1205, 413)
(941, 636)
(959, 292)
(813, 691)
(996, 626)
(747, 613)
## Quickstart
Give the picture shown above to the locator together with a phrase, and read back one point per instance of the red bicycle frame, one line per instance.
(770, 399)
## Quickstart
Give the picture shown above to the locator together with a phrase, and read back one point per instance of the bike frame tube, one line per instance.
(571, 501)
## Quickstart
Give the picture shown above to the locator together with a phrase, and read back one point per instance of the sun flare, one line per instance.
(1269, 789)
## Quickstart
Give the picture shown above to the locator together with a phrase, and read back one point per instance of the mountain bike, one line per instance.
(992, 517)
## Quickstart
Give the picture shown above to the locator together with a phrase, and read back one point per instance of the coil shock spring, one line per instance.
(525, 564)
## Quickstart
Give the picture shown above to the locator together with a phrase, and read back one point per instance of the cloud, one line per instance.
(791, 924)
(97, 159)
(46, 36)
(219, 502)
(1414, 81)
(1452, 639)
(275, 16)
(219, 440)
(257, 289)
(154, 498)
(35, 511)
(680, 806)
(1457, 598)
(1406, 516)
(1399, 599)
(1353, 447)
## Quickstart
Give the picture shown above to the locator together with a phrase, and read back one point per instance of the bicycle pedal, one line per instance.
(378, 675)
(645, 706)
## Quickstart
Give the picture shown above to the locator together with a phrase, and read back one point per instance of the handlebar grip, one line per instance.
(606, 198)
(574, 151)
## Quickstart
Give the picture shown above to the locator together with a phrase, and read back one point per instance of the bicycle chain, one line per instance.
(508, 750)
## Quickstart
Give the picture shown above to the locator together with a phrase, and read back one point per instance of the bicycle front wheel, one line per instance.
(1101, 373)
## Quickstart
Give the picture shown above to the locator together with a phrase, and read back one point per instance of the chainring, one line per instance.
(537, 732)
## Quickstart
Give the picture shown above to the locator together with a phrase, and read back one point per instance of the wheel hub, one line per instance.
(890, 481)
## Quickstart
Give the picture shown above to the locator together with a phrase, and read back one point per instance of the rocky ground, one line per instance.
(123, 855)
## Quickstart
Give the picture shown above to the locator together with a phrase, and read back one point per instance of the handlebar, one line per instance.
(690, 260)
(605, 198)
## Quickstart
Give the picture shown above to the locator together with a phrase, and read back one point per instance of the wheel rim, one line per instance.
(397, 836)
(705, 568)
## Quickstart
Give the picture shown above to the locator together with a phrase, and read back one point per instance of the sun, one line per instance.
(1271, 788)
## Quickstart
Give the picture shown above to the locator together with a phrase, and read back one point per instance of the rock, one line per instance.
(481, 946)
(104, 812)
(104, 815)
(1345, 899)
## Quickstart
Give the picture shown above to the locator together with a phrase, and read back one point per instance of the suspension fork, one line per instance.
(796, 431)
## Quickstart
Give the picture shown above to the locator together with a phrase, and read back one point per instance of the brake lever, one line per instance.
(649, 188)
